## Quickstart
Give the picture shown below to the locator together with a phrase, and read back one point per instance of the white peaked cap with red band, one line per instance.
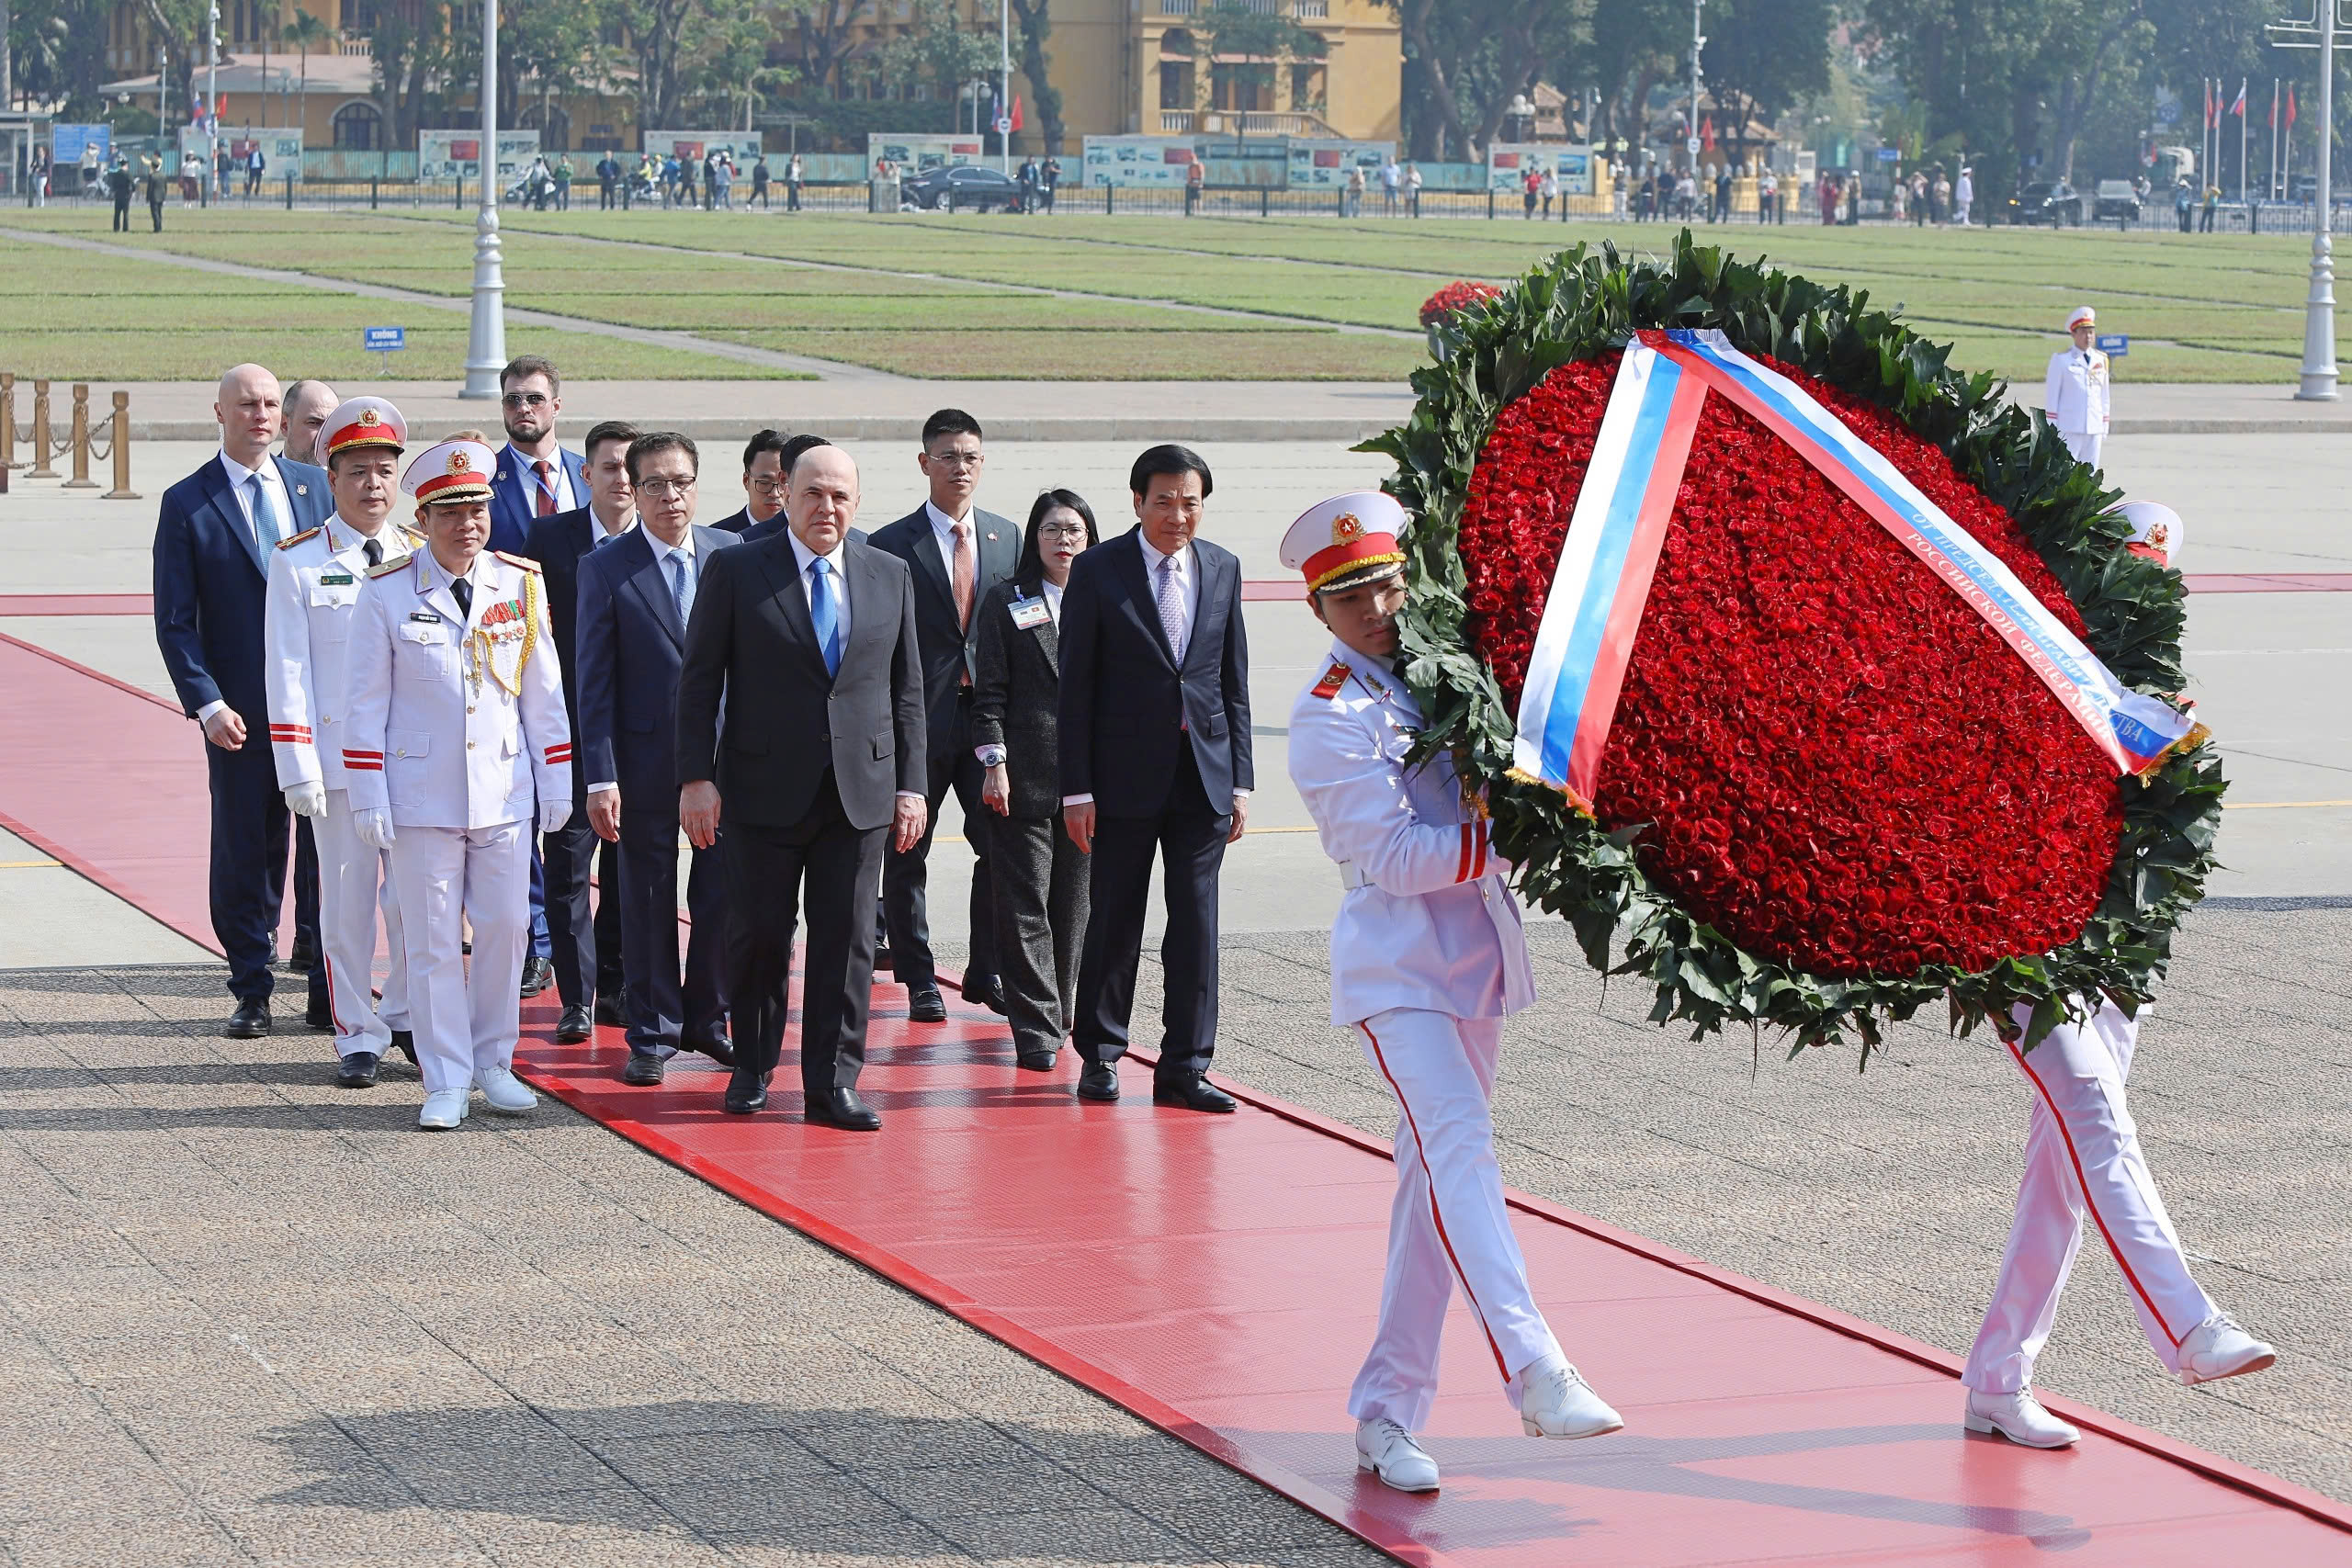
(2080, 314)
(1349, 539)
(450, 470)
(362, 422)
(2156, 530)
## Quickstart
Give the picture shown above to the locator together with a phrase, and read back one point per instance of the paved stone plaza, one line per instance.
(254, 1317)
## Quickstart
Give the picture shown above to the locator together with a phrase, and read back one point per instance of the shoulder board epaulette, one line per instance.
(525, 563)
(388, 568)
(1333, 679)
(305, 534)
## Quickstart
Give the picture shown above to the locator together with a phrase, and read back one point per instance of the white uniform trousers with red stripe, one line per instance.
(465, 1017)
(2082, 1155)
(355, 882)
(1449, 1222)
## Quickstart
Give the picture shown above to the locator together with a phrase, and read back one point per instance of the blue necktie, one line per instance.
(681, 585)
(821, 612)
(266, 533)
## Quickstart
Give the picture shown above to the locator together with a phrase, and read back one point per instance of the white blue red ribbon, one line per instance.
(1619, 525)
(1603, 578)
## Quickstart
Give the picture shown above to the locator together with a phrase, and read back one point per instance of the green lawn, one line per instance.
(964, 296)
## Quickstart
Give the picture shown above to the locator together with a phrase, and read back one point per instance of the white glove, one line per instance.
(307, 799)
(553, 815)
(374, 828)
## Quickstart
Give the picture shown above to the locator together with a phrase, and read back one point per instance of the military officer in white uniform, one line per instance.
(457, 741)
(314, 584)
(2083, 1157)
(2075, 394)
(1427, 961)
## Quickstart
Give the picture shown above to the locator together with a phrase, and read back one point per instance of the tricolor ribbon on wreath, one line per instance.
(1619, 526)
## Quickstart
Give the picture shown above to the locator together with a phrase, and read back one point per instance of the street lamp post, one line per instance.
(486, 342)
(212, 99)
(2318, 383)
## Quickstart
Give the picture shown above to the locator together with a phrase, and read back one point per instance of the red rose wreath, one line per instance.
(1830, 792)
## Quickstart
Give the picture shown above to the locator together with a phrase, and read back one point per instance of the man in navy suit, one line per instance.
(213, 537)
(957, 553)
(586, 953)
(634, 597)
(536, 478)
(780, 521)
(763, 483)
(1155, 756)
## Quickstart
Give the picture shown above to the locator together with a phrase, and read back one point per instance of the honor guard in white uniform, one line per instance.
(1427, 961)
(2076, 395)
(315, 583)
(2083, 1157)
(457, 741)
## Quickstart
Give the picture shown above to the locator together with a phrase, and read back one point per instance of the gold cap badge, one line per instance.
(459, 462)
(1346, 529)
(370, 418)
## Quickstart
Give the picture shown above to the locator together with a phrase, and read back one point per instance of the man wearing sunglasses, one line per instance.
(536, 478)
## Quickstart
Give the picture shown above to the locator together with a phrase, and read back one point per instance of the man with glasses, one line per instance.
(587, 958)
(534, 479)
(635, 596)
(957, 553)
(763, 482)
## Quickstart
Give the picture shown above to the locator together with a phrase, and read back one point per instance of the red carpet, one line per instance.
(1217, 1275)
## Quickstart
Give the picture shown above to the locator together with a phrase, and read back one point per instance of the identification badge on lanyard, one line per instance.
(1030, 614)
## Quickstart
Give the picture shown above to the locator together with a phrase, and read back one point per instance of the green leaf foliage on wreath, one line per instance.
(1585, 302)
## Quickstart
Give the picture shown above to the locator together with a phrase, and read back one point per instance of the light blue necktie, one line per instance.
(682, 584)
(266, 529)
(823, 613)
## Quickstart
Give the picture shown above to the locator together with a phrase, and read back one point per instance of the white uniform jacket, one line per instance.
(2075, 394)
(435, 730)
(1428, 919)
(315, 583)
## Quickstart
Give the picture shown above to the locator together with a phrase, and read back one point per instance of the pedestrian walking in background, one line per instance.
(1899, 202)
(254, 164)
(1529, 184)
(2212, 201)
(609, 175)
(1352, 204)
(37, 172)
(721, 175)
(1413, 190)
(1550, 191)
(1040, 878)
(191, 176)
(1392, 180)
(792, 182)
(1723, 192)
(1052, 177)
(1027, 180)
(759, 184)
(1195, 177)
(2183, 200)
(1963, 196)
(1646, 203)
(1768, 198)
(153, 180)
(563, 182)
(1940, 199)
(118, 184)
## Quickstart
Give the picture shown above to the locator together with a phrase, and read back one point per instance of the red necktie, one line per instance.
(962, 583)
(546, 491)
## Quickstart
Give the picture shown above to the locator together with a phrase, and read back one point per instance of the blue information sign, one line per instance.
(2115, 345)
(383, 340)
(1889, 154)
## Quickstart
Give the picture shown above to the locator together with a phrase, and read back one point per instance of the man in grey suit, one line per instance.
(635, 597)
(800, 714)
(957, 553)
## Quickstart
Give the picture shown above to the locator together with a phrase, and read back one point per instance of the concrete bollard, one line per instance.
(121, 451)
(41, 445)
(80, 440)
(7, 424)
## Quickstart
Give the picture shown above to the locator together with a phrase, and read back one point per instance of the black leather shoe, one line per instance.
(574, 1027)
(926, 1006)
(1192, 1091)
(990, 995)
(1036, 1061)
(645, 1068)
(357, 1070)
(843, 1108)
(404, 1041)
(318, 1015)
(301, 959)
(719, 1048)
(745, 1094)
(250, 1022)
(1099, 1082)
(537, 975)
(609, 1006)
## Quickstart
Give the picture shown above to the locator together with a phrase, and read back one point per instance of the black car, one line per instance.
(2118, 199)
(959, 185)
(2054, 202)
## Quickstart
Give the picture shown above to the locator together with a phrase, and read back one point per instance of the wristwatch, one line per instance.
(991, 756)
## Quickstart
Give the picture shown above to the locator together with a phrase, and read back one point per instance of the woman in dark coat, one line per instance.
(1041, 877)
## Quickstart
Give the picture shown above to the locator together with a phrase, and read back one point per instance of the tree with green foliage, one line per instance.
(1762, 56)
(1036, 26)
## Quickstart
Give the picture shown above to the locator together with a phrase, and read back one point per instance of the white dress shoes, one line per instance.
(2019, 1417)
(1555, 1402)
(442, 1110)
(1395, 1459)
(2218, 1348)
(505, 1092)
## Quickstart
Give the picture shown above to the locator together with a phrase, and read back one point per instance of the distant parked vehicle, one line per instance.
(2115, 198)
(2054, 202)
(959, 185)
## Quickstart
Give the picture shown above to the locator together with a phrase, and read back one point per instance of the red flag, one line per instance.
(1707, 133)
(1016, 111)
(2208, 103)
(2291, 105)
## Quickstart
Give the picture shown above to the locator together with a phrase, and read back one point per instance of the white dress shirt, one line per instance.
(1188, 598)
(559, 479)
(1054, 603)
(606, 535)
(239, 476)
(942, 533)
